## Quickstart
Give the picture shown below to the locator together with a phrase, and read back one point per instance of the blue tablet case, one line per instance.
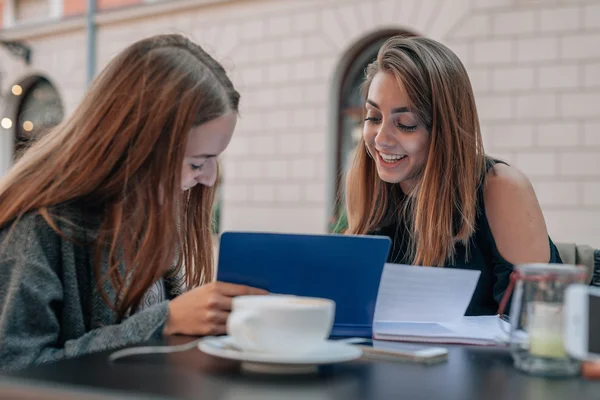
(344, 268)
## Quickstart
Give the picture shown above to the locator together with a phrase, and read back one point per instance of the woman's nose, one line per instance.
(384, 137)
(208, 176)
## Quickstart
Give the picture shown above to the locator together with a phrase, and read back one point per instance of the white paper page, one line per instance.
(486, 329)
(489, 327)
(423, 294)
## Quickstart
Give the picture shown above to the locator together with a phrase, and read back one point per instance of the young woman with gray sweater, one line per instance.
(105, 234)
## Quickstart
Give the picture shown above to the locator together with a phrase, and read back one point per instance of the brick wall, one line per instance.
(534, 64)
(535, 68)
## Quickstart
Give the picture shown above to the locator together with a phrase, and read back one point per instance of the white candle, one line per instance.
(545, 329)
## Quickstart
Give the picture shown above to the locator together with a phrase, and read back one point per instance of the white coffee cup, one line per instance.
(280, 323)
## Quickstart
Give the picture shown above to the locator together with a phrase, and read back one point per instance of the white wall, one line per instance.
(534, 64)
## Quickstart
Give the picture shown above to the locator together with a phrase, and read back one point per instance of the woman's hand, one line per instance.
(204, 310)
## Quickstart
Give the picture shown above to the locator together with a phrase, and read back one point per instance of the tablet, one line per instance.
(344, 268)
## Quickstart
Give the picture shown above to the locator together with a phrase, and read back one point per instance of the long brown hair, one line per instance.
(442, 208)
(122, 151)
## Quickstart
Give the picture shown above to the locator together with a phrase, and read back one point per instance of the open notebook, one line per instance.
(423, 304)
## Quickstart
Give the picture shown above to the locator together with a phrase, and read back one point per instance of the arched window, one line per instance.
(350, 112)
(40, 108)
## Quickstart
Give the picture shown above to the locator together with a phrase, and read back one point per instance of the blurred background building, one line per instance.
(534, 65)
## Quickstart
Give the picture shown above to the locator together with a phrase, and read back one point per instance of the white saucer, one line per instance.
(330, 353)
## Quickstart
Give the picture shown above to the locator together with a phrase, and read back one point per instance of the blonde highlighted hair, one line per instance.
(442, 208)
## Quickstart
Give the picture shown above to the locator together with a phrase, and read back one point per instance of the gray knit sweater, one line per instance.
(50, 308)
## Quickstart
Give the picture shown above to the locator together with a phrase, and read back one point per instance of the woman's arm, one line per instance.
(515, 217)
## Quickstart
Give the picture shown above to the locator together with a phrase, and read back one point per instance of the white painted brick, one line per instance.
(537, 49)
(290, 95)
(229, 170)
(264, 51)
(558, 77)
(536, 164)
(485, 4)
(315, 143)
(332, 29)
(250, 121)
(511, 135)
(289, 193)
(591, 193)
(304, 70)
(303, 168)
(277, 119)
(486, 131)
(536, 106)
(253, 30)
(263, 145)
(349, 19)
(327, 66)
(462, 51)
(315, 192)
(317, 45)
(242, 55)
(265, 98)
(239, 145)
(560, 19)
(291, 143)
(305, 22)
(580, 47)
(475, 26)
(292, 217)
(263, 193)
(366, 15)
(236, 193)
(493, 52)
(422, 17)
(581, 105)
(494, 107)
(386, 14)
(251, 169)
(277, 73)
(480, 79)
(292, 48)
(591, 75)
(225, 35)
(279, 25)
(557, 193)
(508, 79)
(558, 134)
(316, 94)
(252, 76)
(277, 169)
(580, 164)
(321, 118)
(573, 226)
(591, 133)
(514, 22)
(249, 94)
(592, 16)
(304, 118)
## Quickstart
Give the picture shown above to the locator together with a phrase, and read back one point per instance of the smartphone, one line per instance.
(399, 351)
(582, 322)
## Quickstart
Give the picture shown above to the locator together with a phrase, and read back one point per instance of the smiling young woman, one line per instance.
(420, 174)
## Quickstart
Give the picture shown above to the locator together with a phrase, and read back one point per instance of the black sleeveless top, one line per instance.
(483, 256)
